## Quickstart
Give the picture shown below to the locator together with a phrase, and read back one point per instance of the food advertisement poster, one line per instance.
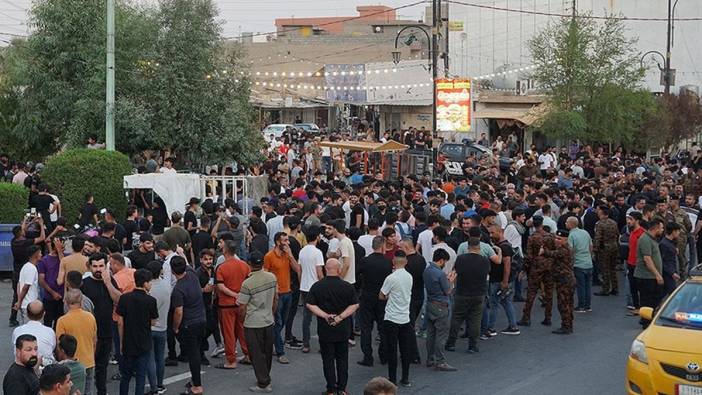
(453, 105)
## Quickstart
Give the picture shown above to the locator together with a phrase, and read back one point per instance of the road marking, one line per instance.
(178, 377)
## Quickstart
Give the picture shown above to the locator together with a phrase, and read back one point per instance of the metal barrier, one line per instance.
(228, 186)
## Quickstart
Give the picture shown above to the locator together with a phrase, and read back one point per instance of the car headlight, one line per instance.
(638, 351)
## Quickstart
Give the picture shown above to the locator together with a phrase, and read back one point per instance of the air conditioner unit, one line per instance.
(522, 87)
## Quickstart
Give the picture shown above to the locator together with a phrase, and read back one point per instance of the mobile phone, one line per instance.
(33, 210)
(211, 282)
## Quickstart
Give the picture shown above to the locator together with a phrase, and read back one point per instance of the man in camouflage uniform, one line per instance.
(681, 218)
(538, 268)
(606, 247)
(564, 279)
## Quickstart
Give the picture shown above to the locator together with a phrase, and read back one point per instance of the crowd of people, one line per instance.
(419, 257)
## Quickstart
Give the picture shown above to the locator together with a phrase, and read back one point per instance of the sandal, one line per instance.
(305, 350)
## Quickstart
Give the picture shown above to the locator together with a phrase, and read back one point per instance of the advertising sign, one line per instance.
(455, 26)
(343, 82)
(453, 105)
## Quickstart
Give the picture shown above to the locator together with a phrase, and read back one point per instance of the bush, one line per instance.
(74, 173)
(15, 199)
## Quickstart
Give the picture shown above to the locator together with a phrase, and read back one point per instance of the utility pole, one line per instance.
(435, 15)
(445, 30)
(667, 76)
(110, 76)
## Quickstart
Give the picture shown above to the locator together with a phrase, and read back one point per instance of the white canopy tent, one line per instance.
(175, 189)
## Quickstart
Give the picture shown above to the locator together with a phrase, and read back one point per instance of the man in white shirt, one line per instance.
(578, 169)
(46, 337)
(397, 290)
(311, 264)
(347, 254)
(366, 241)
(424, 240)
(545, 161)
(28, 283)
(165, 253)
(274, 226)
(168, 167)
(440, 236)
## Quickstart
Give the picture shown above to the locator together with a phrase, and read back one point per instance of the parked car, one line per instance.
(666, 357)
(275, 129)
(456, 153)
(308, 127)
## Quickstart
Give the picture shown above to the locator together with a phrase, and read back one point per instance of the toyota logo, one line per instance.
(693, 367)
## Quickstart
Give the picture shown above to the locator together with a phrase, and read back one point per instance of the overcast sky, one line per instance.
(238, 15)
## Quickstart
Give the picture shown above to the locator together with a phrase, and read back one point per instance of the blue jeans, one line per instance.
(133, 366)
(583, 286)
(306, 319)
(494, 300)
(157, 359)
(281, 317)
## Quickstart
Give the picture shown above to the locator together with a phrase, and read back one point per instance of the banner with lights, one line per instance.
(345, 75)
(453, 105)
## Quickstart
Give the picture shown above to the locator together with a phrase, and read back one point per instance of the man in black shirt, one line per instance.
(88, 213)
(357, 212)
(333, 301)
(20, 255)
(472, 271)
(137, 312)
(42, 202)
(102, 290)
(120, 233)
(415, 266)
(188, 318)
(144, 253)
(190, 218)
(20, 378)
(131, 227)
(372, 273)
(206, 277)
(202, 240)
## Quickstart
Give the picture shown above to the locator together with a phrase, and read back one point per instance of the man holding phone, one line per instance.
(230, 275)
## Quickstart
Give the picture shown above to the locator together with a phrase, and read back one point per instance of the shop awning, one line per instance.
(369, 146)
(527, 116)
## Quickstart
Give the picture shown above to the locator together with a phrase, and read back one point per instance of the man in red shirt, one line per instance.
(230, 275)
(633, 220)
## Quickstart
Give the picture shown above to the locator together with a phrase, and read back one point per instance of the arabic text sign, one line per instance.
(453, 105)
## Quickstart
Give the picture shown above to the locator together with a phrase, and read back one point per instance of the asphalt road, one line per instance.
(591, 361)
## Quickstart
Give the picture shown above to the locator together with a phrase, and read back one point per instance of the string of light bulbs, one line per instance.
(340, 87)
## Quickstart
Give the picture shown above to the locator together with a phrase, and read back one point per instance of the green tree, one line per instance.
(592, 74)
(198, 100)
(74, 173)
(61, 72)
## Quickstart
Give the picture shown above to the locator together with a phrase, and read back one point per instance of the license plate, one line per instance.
(688, 390)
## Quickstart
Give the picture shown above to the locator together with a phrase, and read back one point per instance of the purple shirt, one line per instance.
(49, 266)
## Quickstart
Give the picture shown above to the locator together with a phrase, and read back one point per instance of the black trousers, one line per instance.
(190, 338)
(291, 313)
(650, 292)
(414, 310)
(53, 310)
(260, 342)
(335, 362)
(397, 334)
(371, 311)
(170, 336)
(212, 328)
(102, 359)
(633, 287)
(15, 281)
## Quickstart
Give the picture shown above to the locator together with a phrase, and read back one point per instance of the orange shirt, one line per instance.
(279, 265)
(232, 274)
(81, 325)
(125, 283)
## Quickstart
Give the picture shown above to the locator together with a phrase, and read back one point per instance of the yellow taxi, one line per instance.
(666, 358)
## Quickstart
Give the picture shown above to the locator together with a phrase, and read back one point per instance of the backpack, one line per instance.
(401, 230)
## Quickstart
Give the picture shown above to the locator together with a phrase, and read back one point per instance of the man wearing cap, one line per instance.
(190, 218)
(563, 278)
(539, 270)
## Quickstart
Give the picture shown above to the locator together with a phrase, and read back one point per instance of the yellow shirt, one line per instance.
(81, 325)
(74, 262)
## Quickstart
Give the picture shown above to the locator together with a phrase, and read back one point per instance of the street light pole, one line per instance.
(435, 15)
(110, 78)
(667, 52)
